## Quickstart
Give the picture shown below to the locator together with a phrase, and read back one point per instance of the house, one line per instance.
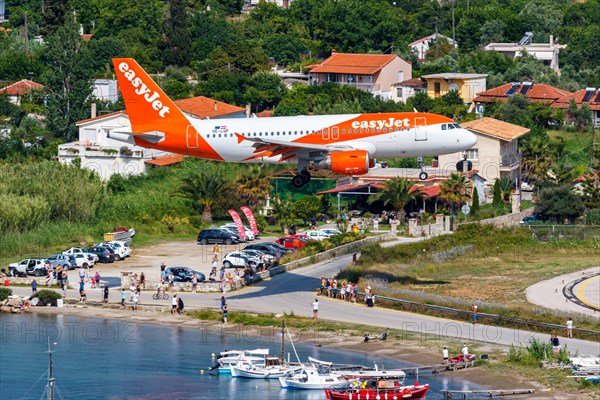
(18, 89)
(3, 13)
(467, 85)
(545, 52)
(402, 91)
(589, 96)
(535, 93)
(375, 73)
(421, 46)
(106, 90)
(108, 156)
(496, 153)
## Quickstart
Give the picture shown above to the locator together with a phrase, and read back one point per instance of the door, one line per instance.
(335, 133)
(191, 137)
(420, 129)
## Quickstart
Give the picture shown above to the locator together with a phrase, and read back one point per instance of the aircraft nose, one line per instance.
(468, 138)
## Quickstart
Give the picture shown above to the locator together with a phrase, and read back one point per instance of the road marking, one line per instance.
(581, 292)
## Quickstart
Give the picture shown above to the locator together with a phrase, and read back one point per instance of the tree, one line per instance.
(497, 201)
(537, 158)
(581, 116)
(53, 17)
(559, 203)
(253, 185)
(506, 187)
(67, 81)
(283, 212)
(515, 111)
(203, 189)
(590, 191)
(455, 190)
(308, 207)
(178, 40)
(475, 202)
(398, 192)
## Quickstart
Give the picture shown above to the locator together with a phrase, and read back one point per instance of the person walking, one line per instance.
(569, 328)
(136, 300)
(216, 251)
(33, 287)
(465, 353)
(174, 304)
(49, 278)
(445, 355)
(475, 316)
(315, 307)
(143, 281)
(194, 283)
(180, 305)
(225, 312)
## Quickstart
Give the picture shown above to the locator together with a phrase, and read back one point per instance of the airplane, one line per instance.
(347, 144)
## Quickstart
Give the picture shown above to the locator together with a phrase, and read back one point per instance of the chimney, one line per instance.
(333, 51)
(248, 110)
(93, 110)
(216, 106)
(80, 29)
(551, 40)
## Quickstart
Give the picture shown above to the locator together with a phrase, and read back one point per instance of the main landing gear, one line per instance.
(301, 179)
(423, 175)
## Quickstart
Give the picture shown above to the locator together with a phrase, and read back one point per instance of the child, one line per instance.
(123, 296)
(34, 287)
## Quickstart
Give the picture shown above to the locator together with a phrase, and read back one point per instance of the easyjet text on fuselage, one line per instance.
(383, 123)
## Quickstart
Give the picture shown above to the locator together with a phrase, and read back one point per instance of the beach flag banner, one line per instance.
(238, 223)
(248, 213)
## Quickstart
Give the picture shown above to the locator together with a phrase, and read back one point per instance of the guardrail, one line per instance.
(412, 305)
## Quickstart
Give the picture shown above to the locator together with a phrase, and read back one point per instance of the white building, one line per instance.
(546, 52)
(106, 90)
(402, 91)
(421, 46)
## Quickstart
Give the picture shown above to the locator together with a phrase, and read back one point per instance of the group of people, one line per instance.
(347, 291)
(177, 305)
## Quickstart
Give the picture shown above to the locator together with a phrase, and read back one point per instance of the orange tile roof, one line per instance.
(18, 88)
(166, 160)
(356, 64)
(265, 114)
(593, 102)
(86, 36)
(496, 128)
(539, 93)
(200, 107)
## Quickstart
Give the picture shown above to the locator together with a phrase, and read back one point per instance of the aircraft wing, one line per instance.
(267, 147)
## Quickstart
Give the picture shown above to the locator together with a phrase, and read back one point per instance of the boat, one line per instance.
(311, 378)
(273, 369)
(229, 358)
(382, 389)
(461, 359)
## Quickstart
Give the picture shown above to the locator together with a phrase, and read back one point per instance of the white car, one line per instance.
(238, 259)
(117, 250)
(85, 260)
(249, 234)
(118, 244)
(331, 231)
(317, 235)
(78, 250)
(261, 255)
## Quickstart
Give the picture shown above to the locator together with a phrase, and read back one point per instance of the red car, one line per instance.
(295, 242)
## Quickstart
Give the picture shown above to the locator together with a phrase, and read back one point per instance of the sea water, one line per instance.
(116, 359)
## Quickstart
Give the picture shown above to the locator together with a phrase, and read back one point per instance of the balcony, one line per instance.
(79, 150)
(509, 162)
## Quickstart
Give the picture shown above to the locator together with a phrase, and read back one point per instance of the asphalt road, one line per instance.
(295, 291)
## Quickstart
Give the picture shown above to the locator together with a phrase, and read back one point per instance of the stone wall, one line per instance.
(508, 219)
(440, 226)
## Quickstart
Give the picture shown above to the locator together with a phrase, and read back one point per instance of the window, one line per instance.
(437, 89)
(399, 92)
(472, 154)
(444, 127)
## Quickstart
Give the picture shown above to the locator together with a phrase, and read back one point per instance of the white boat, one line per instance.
(310, 378)
(359, 372)
(227, 359)
(270, 371)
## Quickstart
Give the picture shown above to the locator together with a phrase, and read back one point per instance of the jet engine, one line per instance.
(355, 162)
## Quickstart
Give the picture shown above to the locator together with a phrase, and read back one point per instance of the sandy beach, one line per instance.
(399, 349)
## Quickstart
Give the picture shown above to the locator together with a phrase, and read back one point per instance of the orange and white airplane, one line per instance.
(347, 144)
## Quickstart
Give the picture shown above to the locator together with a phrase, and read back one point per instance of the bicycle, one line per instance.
(157, 296)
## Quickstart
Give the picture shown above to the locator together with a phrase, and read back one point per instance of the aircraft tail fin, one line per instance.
(148, 107)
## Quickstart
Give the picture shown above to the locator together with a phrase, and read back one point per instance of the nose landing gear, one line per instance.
(423, 175)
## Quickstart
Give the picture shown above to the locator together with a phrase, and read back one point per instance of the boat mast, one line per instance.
(50, 377)
(282, 342)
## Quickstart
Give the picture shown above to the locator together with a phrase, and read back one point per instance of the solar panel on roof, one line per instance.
(597, 99)
(526, 87)
(513, 88)
(588, 94)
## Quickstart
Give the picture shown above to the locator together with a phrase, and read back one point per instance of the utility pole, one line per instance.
(437, 39)
(453, 31)
(26, 34)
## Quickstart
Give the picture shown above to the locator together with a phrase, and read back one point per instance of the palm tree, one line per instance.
(455, 190)
(254, 185)
(398, 192)
(202, 189)
(283, 212)
(537, 159)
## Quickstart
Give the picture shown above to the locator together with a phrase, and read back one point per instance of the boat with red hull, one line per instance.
(415, 391)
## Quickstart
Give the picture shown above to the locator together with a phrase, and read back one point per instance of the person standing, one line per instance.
(225, 312)
(174, 304)
(569, 328)
(555, 343)
(194, 283)
(445, 355)
(315, 307)
(123, 296)
(216, 251)
(223, 301)
(143, 281)
(105, 301)
(49, 278)
(475, 316)
(136, 300)
(97, 277)
(179, 305)
(33, 287)
(465, 353)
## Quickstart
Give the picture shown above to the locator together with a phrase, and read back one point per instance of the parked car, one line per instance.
(84, 260)
(80, 250)
(532, 219)
(30, 266)
(238, 259)
(269, 248)
(217, 235)
(116, 249)
(331, 231)
(260, 254)
(247, 230)
(184, 274)
(234, 230)
(317, 235)
(104, 254)
(66, 261)
(122, 246)
(294, 242)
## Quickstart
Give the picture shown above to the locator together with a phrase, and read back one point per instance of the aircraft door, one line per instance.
(335, 133)
(420, 129)
(325, 134)
(191, 137)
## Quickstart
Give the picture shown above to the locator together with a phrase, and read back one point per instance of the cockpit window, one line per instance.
(450, 126)
(457, 126)
(443, 127)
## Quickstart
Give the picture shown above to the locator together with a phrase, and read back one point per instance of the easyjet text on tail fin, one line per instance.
(148, 107)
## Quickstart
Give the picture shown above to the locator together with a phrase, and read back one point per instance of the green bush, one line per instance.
(4, 293)
(47, 297)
